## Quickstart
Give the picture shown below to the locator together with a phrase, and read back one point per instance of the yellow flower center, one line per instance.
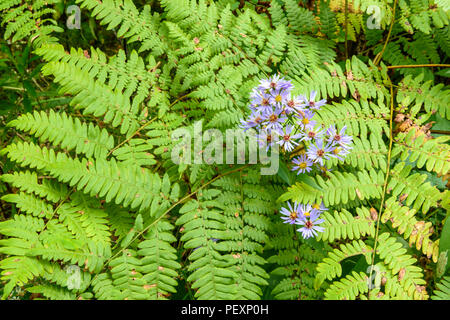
(273, 118)
(316, 206)
(293, 215)
(307, 214)
(336, 151)
(303, 165)
(305, 121)
(278, 98)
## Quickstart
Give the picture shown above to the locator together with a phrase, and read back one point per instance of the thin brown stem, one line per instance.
(440, 132)
(380, 211)
(128, 139)
(346, 28)
(419, 66)
(380, 55)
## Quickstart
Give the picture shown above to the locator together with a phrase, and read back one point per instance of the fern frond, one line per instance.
(29, 182)
(135, 153)
(442, 291)
(94, 97)
(434, 154)
(137, 26)
(423, 94)
(159, 262)
(359, 80)
(348, 288)
(133, 186)
(395, 258)
(210, 272)
(417, 232)
(52, 292)
(343, 225)
(29, 20)
(128, 75)
(420, 194)
(18, 270)
(330, 267)
(30, 204)
(71, 134)
(339, 188)
(295, 263)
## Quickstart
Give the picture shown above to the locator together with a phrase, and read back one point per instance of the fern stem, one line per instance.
(419, 66)
(58, 206)
(131, 137)
(346, 29)
(13, 88)
(380, 211)
(379, 55)
(440, 132)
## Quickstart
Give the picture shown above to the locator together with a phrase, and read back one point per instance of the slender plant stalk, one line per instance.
(440, 132)
(346, 28)
(380, 211)
(128, 139)
(419, 66)
(379, 55)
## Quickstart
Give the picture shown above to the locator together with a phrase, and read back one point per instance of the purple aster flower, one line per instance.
(314, 105)
(255, 119)
(319, 207)
(339, 137)
(310, 225)
(274, 119)
(291, 214)
(307, 210)
(275, 83)
(270, 84)
(312, 133)
(305, 118)
(290, 105)
(339, 152)
(294, 104)
(319, 152)
(303, 164)
(261, 101)
(285, 85)
(287, 139)
(279, 97)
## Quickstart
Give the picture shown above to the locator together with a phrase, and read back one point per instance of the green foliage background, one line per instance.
(86, 118)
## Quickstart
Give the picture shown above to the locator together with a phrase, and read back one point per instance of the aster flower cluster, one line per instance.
(287, 120)
(306, 215)
(290, 118)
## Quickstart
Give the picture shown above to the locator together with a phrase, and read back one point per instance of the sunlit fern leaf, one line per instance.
(443, 290)
(62, 129)
(343, 225)
(417, 232)
(433, 154)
